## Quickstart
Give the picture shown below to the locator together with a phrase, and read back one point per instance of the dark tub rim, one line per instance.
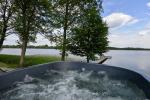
(12, 76)
(34, 66)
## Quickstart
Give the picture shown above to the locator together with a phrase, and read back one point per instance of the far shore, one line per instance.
(54, 47)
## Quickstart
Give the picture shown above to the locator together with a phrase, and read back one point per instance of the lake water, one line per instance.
(134, 60)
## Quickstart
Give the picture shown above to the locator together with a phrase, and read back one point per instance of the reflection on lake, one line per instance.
(135, 60)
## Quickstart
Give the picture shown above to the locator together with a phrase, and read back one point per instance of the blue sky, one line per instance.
(129, 22)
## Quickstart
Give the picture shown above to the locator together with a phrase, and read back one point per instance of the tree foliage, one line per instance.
(31, 18)
(64, 17)
(6, 19)
(74, 25)
(90, 36)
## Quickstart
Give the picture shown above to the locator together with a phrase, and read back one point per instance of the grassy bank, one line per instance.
(12, 61)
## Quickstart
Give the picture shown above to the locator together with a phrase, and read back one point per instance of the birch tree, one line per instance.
(6, 19)
(31, 18)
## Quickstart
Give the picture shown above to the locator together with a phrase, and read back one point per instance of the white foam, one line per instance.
(66, 86)
(28, 79)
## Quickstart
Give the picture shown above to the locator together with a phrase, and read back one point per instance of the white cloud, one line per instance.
(130, 40)
(116, 20)
(122, 40)
(144, 32)
(135, 38)
(148, 4)
(11, 40)
(41, 40)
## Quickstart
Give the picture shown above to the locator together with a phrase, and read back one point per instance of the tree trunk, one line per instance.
(2, 40)
(87, 58)
(23, 51)
(64, 46)
(3, 35)
(65, 33)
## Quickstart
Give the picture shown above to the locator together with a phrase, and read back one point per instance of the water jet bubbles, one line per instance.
(73, 85)
(83, 69)
(103, 73)
(28, 79)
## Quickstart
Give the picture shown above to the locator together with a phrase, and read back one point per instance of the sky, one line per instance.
(128, 21)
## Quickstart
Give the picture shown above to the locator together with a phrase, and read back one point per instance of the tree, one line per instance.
(64, 17)
(90, 37)
(6, 18)
(31, 18)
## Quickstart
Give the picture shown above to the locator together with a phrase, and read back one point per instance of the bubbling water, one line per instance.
(73, 85)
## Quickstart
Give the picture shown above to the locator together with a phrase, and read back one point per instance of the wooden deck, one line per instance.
(4, 69)
(103, 59)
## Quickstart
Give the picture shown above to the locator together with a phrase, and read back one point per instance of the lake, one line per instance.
(135, 60)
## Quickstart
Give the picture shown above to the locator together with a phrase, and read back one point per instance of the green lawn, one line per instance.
(12, 61)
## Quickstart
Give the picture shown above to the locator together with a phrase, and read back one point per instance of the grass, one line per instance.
(12, 61)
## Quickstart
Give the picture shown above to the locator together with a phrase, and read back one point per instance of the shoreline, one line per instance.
(131, 49)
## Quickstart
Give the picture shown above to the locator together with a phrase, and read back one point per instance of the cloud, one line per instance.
(148, 4)
(41, 40)
(11, 40)
(131, 40)
(122, 40)
(137, 38)
(144, 32)
(116, 20)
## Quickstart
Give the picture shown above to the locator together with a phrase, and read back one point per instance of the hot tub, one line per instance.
(9, 80)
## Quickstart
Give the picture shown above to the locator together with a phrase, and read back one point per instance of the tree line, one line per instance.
(73, 25)
(31, 46)
(55, 47)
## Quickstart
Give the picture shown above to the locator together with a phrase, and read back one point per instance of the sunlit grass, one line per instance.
(12, 61)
